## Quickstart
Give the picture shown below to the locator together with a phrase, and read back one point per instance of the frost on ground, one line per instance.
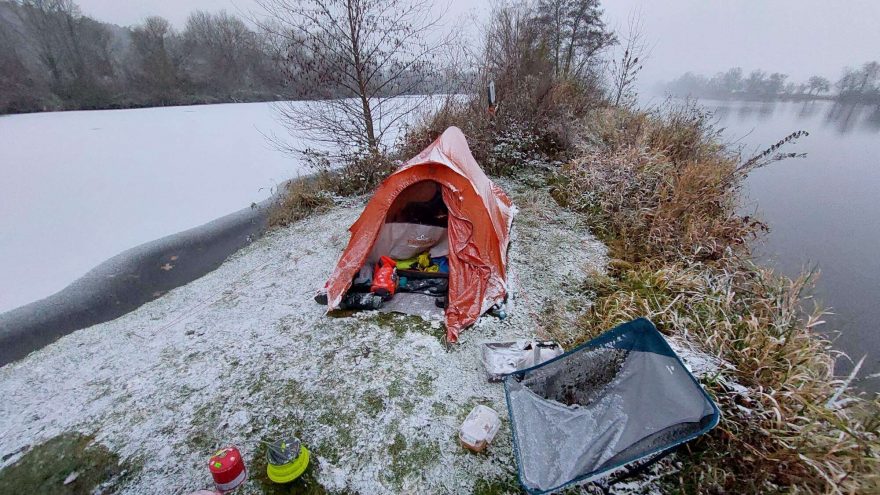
(244, 354)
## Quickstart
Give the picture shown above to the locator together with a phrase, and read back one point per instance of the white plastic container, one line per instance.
(479, 428)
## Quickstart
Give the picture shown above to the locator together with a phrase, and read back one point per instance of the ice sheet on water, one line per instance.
(81, 187)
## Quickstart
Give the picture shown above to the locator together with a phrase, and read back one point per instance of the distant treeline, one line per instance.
(856, 85)
(52, 57)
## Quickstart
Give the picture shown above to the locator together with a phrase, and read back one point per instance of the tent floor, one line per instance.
(413, 304)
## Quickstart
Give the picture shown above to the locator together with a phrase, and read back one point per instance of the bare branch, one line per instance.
(359, 54)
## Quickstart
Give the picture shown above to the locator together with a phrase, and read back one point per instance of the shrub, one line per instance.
(658, 186)
(319, 192)
(646, 205)
(301, 198)
(533, 125)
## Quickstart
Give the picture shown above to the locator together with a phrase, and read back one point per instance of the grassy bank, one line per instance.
(663, 194)
(69, 464)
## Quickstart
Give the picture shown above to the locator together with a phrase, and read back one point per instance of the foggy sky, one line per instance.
(796, 37)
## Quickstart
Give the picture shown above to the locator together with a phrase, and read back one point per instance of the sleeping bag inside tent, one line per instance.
(443, 227)
(622, 397)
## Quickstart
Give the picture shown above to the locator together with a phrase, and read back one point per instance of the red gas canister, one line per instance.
(227, 468)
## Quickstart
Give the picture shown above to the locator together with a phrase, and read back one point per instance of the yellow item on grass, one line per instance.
(285, 473)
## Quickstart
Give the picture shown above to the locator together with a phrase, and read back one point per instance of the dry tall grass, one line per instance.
(657, 187)
(318, 192)
(788, 428)
(663, 194)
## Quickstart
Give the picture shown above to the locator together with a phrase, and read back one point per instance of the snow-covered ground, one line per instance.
(245, 354)
(79, 187)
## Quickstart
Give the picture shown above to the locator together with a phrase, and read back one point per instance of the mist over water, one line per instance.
(822, 210)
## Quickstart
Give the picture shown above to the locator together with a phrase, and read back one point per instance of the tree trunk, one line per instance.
(368, 121)
(571, 46)
(354, 37)
(558, 40)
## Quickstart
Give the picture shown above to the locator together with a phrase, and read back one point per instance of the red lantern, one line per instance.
(227, 468)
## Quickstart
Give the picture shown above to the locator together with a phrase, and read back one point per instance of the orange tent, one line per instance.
(479, 221)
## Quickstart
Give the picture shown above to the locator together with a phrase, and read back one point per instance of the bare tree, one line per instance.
(222, 50)
(755, 83)
(625, 71)
(513, 45)
(361, 57)
(775, 84)
(18, 89)
(869, 74)
(732, 80)
(54, 57)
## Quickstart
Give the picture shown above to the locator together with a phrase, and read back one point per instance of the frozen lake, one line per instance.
(77, 188)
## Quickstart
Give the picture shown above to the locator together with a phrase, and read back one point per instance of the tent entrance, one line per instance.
(420, 203)
(415, 235)
(416, 223)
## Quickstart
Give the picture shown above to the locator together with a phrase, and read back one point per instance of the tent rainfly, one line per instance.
(479, 220)
(620, 398)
